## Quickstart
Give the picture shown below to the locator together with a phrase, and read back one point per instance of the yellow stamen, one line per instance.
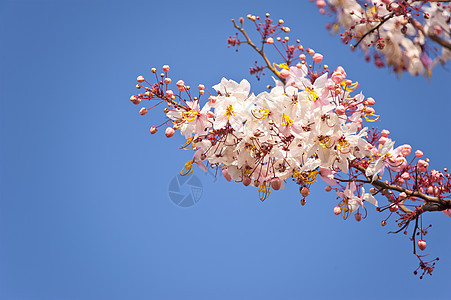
(190, 115)
(324, 141)
(286, 120)
(312, 95)
(229, 112)
(188, 168)
(187, 143)
(263, 191)
(261, 113)
(343, 144)
(350, 88)
(371, 117)
(307, 177)
(346, 210)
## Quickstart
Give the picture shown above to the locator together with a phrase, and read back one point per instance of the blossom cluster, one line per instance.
(395, 33)
(308, 126)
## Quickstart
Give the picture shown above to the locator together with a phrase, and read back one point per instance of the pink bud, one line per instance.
(393, 207)
(421, 244)
(169, 93)
(369, 110)
(337, 210)
(320, 3)
(302, 57)
(405, 150)
(358, 217)
(201, 87)
(383, 140)
(270, 41)
(402, 195)
(143, 111)
(166, 68)
(405, 176)
(419, 153)
(328, 188)
(167, 80)
(284, 73)
(276, 183)
(317, 58)
(246, 181)
(422, 165)
(226, 174)
(305, 192)
(169, 132)
(431, 190)
(153, 130)
(370, 101)
(135, 100)
(385, 133)
(140, 79)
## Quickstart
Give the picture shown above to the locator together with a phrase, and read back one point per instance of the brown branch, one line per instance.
(259, 51)
(432, 36)
(432, 203)
(373, 29)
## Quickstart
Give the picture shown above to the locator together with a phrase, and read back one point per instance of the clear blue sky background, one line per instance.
(84, 209)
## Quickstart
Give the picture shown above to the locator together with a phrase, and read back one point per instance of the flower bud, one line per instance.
(284, 73)
(304, 192)
(358, 217)
(166, 68)
(246, 181)
(421, 244)
(370, 101)
(385, 133)
(276, 183)
(419, 153)
(167, 80)
(201, 87)
(337, 210)
(140, 79)
(270, 41)
(135, 100)
(402, 195)
(153, 130)
(405, 176)
(393, 207)
(143, 111)
(405, 150)
(169, 132)
(328, 188)
(317, 58)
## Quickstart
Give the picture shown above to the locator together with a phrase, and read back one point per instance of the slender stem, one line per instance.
(259, 51)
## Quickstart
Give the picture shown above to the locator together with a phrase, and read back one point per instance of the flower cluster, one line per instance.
(308, 126)
(395, 33)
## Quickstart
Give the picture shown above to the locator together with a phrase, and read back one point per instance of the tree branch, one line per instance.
(259, 51)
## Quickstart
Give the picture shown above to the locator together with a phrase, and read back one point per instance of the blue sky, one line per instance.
(84, 205)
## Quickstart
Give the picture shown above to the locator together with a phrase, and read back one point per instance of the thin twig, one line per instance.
(262, 54)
